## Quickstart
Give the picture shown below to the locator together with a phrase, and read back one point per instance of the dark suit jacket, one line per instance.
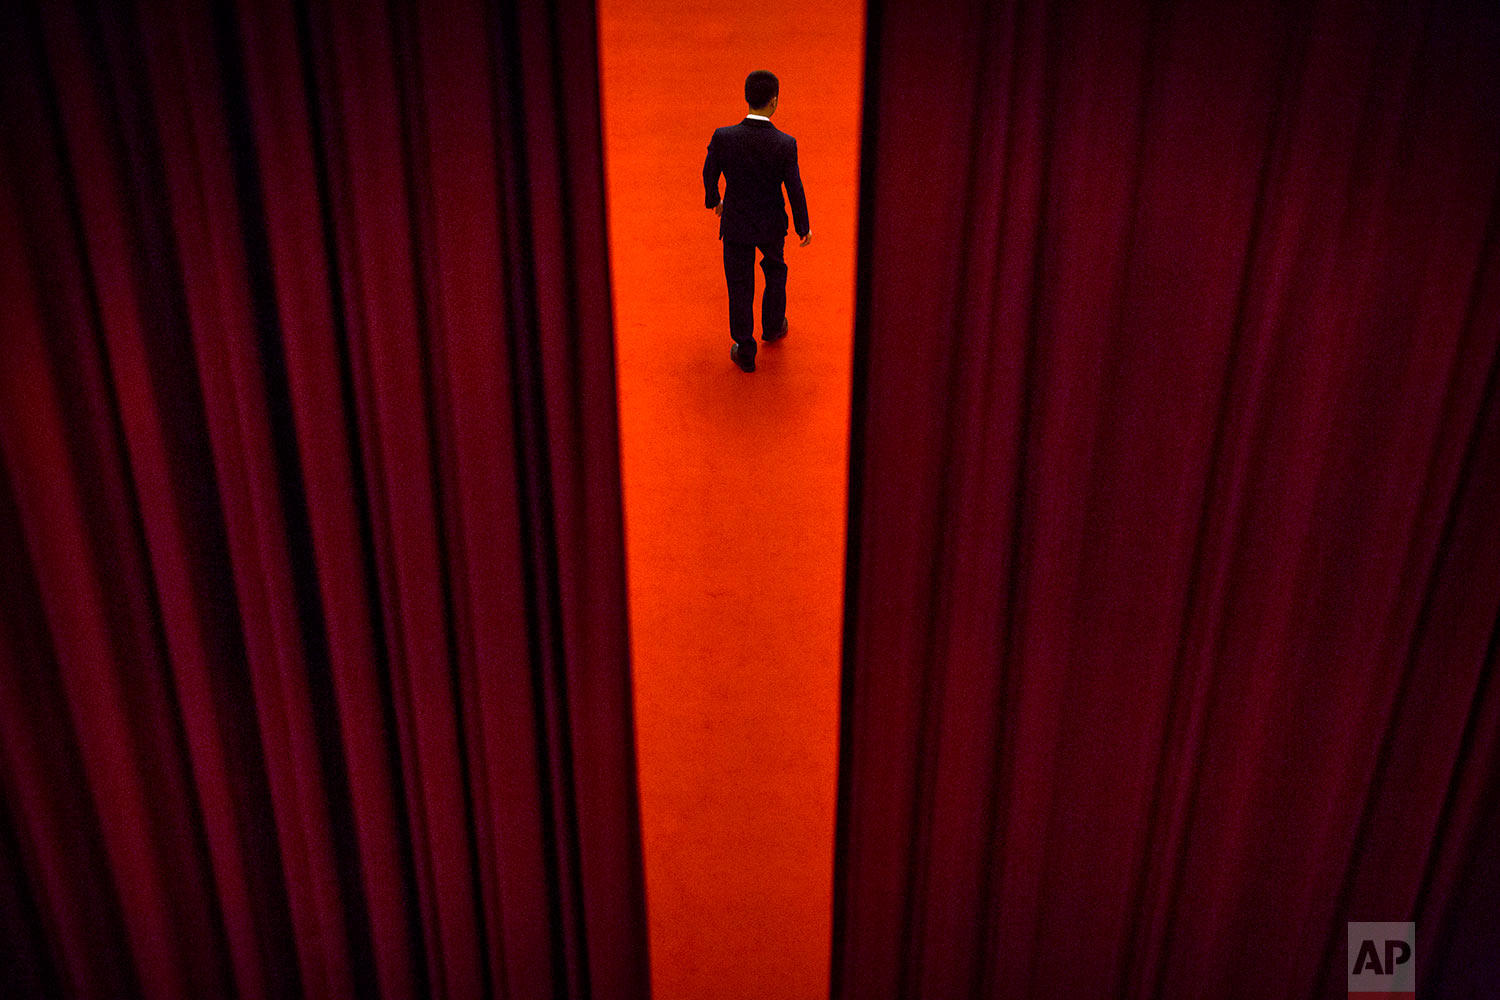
(756, 159)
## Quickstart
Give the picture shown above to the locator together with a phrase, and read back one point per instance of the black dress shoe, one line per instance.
(734, 355)
(769, 337)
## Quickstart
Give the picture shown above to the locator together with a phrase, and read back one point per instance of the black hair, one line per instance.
(760, 87)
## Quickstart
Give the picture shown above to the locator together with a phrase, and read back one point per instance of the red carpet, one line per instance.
(734, 492)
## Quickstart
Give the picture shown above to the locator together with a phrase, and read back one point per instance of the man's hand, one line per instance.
(719, 209)
(808, 238)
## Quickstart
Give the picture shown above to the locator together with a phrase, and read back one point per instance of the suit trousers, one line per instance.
(739, 275)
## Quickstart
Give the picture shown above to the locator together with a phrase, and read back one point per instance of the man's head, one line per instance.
(762, 90)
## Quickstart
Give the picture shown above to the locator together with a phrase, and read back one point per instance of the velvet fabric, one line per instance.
(313, 665)
(1174, 557)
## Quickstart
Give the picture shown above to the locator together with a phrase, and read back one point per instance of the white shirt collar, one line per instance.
(759, 118)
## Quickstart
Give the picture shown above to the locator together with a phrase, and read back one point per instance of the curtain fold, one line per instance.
(1174, 563)
(314, 672)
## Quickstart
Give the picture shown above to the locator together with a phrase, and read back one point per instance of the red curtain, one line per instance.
(1174, 537)
(313, 665)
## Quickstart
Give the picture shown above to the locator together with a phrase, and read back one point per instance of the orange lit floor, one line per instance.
(734, 491)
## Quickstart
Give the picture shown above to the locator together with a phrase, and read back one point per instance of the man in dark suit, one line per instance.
(756, 159)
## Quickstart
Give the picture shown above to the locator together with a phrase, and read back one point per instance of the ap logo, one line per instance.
(1382, 961)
